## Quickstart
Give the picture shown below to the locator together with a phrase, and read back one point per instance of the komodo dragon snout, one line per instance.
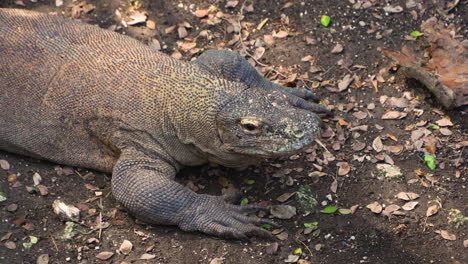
(82, 96)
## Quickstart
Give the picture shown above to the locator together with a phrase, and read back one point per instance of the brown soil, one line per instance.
(362, 237)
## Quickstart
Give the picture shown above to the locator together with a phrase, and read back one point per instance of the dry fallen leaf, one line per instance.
(377, 144)
(334, 186)
(344, 168)
(409, 206)
(284, 197)
(231, 4)
(135, 18)
(4, 165)
(217, 260)
(200, 13)
(345, 82)
(105, 255)
(337, 49)
(360, 115)
(394, 115)
(281, 34)
(444, 122)
(126, 247)
(446, 235)
(67, 212)
(390, 209)
(445, 65)
(375, 207)
(432, 210)
(147, 256)
(185, 46)
(407, 196)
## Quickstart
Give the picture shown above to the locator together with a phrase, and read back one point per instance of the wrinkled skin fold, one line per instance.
(82, 96)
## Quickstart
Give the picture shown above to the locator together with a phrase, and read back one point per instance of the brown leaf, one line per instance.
(169, 29)
(360, 115)
(446, 235)
(445, 131)
(151, 24)
(147, 256)
(390, 209)
(6, 236)
(126, 247)
(284, 197)
(337, 49)
(105, 255)
(4, 165)
(136, 17)
(377, 144)
(395, 149)
(334, 186)
(345, 82)
(444, 122)
(407, 196)
(375, 207)
(185, 46)
(409, 206)
(394, 115)
(19, 3)
(200, 13)
(91, 187)
(358, 146)
(394, 138)
(42, 189)
(10, 245)
(288, 4)
(269, 40)
(182, 32)
(431, 148)
(432, 210)
(232, 4)
(281, 34)
(344, 168)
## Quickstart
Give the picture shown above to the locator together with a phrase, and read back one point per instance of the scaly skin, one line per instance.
(82, 96)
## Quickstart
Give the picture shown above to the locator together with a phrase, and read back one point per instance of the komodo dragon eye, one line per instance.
(250, 125)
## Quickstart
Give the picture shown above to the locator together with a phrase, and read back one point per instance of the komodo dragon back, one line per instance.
(82, 96)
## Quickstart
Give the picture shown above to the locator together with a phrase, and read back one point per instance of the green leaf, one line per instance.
(430, 161)
(266, 226)
(250, 181)
(434, 126)
(34, 239)
(344, 211)
(298, 251)
(325, 20)
(244, 201)
(329, 210)
(313, 225)
(416, 33)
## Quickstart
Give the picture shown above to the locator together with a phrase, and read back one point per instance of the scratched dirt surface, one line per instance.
(383, 121)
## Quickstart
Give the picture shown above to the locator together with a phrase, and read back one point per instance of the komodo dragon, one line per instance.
(82, 96)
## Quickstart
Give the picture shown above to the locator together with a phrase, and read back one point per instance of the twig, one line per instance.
(308, 249)
(53, 242)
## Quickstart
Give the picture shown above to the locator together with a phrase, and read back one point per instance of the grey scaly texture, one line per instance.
(79, 95)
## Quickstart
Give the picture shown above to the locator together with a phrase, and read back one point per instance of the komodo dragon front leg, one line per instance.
(146, 187)
(232, 66)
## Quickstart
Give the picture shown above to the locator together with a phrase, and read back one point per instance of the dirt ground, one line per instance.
(344, 175)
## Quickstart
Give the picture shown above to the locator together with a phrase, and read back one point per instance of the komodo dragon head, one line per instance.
(264, 123)
(256, 118)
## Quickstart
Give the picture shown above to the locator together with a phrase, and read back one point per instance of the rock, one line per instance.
(387, 171)
(283, 211)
